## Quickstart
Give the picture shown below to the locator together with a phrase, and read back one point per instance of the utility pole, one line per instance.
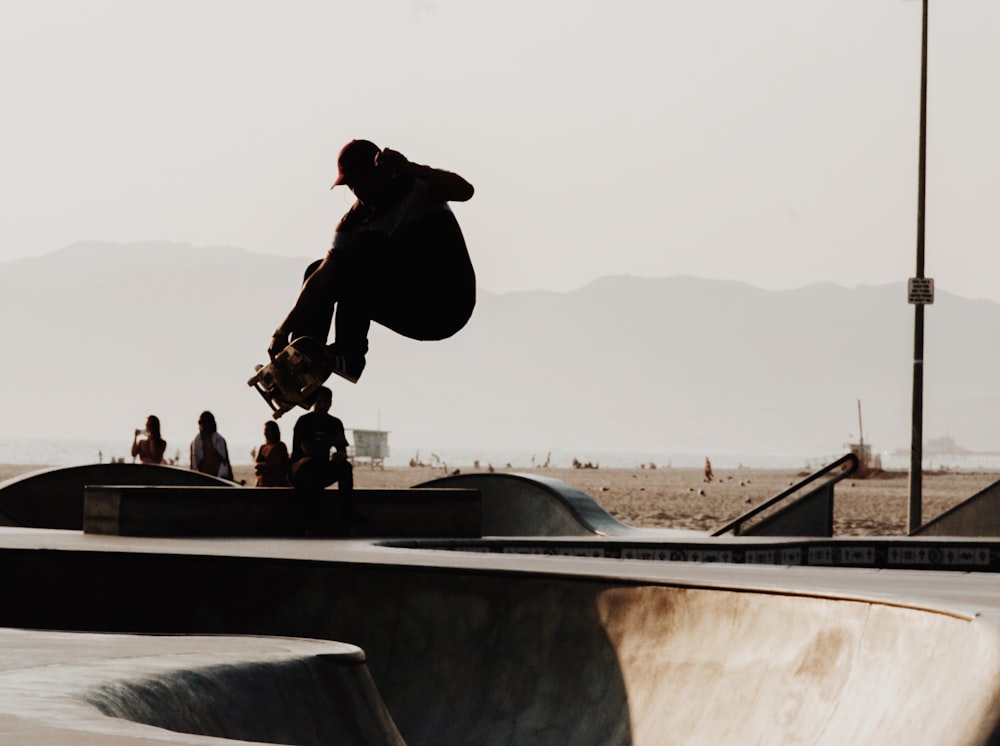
(921, 293)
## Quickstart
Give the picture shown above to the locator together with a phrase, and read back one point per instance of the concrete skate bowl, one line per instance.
(53, 498)
(571, 651)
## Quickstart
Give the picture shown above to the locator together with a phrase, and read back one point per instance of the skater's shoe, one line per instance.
(345, 364)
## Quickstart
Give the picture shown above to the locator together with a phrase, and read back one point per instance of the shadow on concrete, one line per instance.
(315, 700)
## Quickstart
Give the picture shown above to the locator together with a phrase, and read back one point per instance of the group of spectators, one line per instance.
(318, 457)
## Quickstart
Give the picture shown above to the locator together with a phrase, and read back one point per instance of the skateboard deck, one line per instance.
(293, 376)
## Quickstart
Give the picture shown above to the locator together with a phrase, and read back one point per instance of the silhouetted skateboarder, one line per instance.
(398, 258)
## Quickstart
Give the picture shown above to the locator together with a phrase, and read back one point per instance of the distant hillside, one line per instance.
(100, 335)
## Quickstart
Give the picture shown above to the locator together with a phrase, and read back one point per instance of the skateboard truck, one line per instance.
(294, 375)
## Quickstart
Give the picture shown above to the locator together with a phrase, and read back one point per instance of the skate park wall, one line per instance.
(467, 655)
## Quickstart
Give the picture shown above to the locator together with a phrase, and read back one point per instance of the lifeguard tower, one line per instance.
(867, 464)
(370, 445)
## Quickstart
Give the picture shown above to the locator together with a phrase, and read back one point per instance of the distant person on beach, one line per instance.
(398, 258)
(147, 444)
(709, 474)
(272, 461)
(209, 453)
(319, 448)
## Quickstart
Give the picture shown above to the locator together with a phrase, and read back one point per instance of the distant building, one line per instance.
(867, 464)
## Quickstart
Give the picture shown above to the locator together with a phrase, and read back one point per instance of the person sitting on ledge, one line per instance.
(316, 434)
(272, 462)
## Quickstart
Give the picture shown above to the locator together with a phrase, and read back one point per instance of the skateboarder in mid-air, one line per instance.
(398, 258)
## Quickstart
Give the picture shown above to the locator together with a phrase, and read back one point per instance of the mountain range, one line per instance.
(99, 335)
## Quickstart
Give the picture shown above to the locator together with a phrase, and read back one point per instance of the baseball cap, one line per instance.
(355, 157)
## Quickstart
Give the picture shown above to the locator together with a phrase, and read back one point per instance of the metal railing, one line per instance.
(840, 463)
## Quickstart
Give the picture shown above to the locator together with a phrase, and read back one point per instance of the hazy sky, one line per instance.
(772, 141)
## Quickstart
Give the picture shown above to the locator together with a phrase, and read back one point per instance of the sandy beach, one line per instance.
(680, 498)
(672, 497)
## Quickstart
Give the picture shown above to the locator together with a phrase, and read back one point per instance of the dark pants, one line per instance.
(310, 476)
(317, 473)
(419, 282)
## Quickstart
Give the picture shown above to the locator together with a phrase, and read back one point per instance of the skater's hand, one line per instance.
(279, 341)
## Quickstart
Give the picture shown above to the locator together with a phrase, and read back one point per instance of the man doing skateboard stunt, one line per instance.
(398, 258)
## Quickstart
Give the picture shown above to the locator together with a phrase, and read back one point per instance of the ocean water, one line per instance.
(74, 452)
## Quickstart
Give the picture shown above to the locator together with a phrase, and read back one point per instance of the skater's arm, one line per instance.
(450, 187)
(297, 435)
(338, 440)
(340, 449)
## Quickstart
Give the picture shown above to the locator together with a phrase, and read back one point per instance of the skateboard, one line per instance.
(293, 376)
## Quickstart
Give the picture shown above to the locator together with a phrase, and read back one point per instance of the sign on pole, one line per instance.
(921, 291)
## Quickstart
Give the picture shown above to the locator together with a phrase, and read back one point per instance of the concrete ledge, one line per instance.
(954, 554)
(269, 512)
(89, 689)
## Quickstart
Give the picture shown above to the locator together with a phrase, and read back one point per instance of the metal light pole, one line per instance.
(921, 293)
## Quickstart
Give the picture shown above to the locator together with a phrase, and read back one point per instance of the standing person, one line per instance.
(209, 453)
(272, 462)
(151, 446)
(398, 258)
(316, 434)
(709, 474)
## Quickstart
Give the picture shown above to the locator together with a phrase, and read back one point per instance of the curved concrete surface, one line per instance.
(532, 505)
(494, 649)
(53, 498)
(58, 688)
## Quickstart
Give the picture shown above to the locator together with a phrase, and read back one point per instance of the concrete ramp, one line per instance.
(58, 688)
(53, 498)
(131, 510)
(532, 505)
(977, 516)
